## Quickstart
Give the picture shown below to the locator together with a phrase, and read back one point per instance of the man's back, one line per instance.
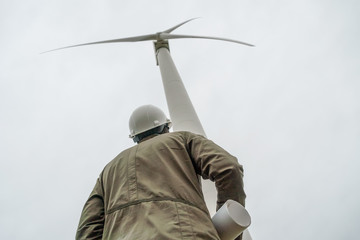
(151, 191)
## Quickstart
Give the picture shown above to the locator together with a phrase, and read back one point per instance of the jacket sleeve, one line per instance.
(91, 223)
(214, 163)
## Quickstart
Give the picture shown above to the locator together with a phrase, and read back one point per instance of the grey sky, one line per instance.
(288, 108)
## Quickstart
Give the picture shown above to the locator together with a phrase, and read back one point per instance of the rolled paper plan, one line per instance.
(231, 220)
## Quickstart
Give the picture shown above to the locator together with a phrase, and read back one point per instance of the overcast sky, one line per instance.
(289, 108)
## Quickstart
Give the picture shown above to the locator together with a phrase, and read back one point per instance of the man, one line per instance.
(152, 190)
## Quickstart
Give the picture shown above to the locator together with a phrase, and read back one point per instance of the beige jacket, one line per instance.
(151, 190)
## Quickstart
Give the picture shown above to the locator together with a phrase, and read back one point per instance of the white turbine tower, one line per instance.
(182, 112)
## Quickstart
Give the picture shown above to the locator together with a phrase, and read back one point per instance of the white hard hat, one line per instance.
(145, 118)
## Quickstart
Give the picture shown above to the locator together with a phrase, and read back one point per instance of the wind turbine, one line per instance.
(182, 112)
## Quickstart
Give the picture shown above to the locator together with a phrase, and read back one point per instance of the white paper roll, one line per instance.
(231, 220)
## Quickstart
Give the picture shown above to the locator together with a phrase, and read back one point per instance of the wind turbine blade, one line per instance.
(176, 36)
(173, 28)
(129, 39)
